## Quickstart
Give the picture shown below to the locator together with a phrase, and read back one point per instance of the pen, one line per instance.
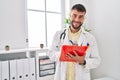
(88, 44)
(71, 42)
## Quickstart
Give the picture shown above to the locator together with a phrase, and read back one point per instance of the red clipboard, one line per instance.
(81, 50)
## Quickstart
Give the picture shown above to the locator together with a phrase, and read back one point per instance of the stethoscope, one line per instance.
(63, 34)
(62, 37)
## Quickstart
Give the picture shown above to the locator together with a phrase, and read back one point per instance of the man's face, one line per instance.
(76, 19)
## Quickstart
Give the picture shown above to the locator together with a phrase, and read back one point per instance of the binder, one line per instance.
(32, 69)
(20, 69)
(5, 70)
(26, 69)
(80, 50)
(0, 70)
(13, 70)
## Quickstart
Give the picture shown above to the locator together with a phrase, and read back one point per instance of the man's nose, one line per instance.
(77, 19)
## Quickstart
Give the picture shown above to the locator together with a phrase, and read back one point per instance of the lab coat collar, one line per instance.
(81, 39)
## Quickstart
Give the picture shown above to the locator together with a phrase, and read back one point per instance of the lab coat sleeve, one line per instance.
(54, 51)
(94, 59)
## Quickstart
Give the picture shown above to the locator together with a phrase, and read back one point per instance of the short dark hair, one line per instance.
(79, 7)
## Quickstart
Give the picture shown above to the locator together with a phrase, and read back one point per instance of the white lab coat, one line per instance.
(92, 56)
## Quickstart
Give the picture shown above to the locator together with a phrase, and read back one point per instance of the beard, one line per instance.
(76, 27)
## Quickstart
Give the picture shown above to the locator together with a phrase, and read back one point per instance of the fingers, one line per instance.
(75, 53)
(75, 57)
(72, 57)
(69, 55)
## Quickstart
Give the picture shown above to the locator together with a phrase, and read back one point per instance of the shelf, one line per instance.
(23, 50)
(27, 53)
(21, 53)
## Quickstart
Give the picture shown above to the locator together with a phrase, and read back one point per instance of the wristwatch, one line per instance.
(83, 63)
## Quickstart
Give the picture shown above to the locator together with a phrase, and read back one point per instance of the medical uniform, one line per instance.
(81, 72)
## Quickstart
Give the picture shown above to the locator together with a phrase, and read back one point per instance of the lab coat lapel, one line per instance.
(81, 39)
(63, 64)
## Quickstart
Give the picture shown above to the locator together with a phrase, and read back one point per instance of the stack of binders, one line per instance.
(18, 69)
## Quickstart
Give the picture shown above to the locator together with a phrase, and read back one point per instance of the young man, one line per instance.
(79, 70)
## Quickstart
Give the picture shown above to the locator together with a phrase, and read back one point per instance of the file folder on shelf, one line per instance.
(0, 70)
(32, 69)
(5, 70)
(80, 50)
(20, 69)
(13, 70)
(26, 69)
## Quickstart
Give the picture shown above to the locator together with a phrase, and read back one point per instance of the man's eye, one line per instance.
(74, 15)
(81, 16)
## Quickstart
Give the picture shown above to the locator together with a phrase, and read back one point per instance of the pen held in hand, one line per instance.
(71, 42)
(88, 44)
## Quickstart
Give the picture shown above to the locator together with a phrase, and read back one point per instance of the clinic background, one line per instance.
(102, 18)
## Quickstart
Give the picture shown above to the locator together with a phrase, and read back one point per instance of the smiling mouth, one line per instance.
(76, 24)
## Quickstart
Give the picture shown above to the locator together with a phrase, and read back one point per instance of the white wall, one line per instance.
(13, 24)
(104, 20)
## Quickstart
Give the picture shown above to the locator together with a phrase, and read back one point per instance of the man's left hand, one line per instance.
(76, 57)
